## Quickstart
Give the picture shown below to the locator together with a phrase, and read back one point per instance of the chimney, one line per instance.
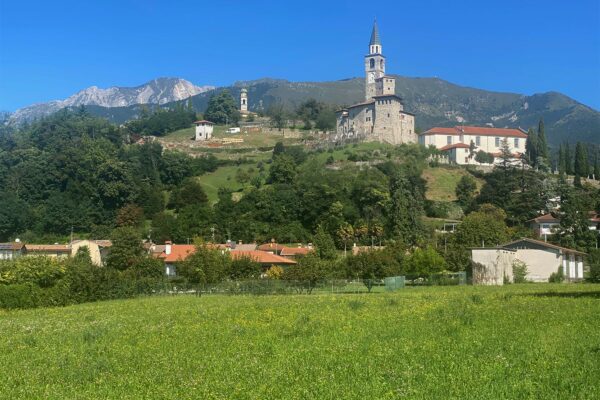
(239, 242)
(168, 245)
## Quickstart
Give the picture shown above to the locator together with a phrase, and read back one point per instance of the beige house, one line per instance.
(98, 249)
(494, 264)
(456, 142)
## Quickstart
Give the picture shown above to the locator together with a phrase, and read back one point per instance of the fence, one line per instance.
(336, 286)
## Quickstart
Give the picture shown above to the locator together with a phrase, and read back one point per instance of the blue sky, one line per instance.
(51, 49)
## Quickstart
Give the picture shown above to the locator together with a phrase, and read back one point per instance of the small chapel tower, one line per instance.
(244, 101)
(374, 64)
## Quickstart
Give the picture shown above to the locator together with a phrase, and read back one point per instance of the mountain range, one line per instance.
(435, 102)
(157, 91)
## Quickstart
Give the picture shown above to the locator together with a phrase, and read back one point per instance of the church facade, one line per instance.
(381, 116)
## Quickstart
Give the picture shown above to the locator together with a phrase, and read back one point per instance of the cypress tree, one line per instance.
(542, 144)
(531, 147)
(597, 167)
(568, 159)
(562, 161)
(581, 160)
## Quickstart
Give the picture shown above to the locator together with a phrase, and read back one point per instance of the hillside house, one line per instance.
(11, 250)
(204, 130)
(456, 142)
(548, 224)
(494, 264)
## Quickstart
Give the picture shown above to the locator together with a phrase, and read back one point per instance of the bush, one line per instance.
(519, 269)
(557, 277)
(19, 296)
(594, 263)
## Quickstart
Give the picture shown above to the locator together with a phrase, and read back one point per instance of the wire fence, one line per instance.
(327, 286)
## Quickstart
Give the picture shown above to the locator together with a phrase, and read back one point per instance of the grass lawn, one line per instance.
(222, 177)
(441, 182)
(520, 341)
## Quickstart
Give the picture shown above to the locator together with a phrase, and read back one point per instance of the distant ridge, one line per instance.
(156, 91)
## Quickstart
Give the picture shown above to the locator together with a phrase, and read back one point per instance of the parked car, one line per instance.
(233, 130)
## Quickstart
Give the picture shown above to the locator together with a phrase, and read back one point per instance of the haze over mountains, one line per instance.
(433, 100)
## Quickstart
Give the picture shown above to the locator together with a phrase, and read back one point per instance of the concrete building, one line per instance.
(204, 130)
(456, 142)
(381, 117)
(494, 264)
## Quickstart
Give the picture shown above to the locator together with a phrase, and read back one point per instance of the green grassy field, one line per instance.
(441, 182)
(516, 342)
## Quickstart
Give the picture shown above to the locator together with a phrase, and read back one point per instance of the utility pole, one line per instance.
(71, 242)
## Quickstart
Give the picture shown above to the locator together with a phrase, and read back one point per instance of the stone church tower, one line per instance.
(374, 64)
(244, 101)
(381, 116)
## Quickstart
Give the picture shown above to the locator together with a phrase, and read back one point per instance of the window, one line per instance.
(381, 64)
(449, 140)
(372, 63)
(461, 138)
(516, 143)
(478, 141)
(388, 114)
(497, 142)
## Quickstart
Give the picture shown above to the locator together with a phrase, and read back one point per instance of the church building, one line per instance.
(381, 116)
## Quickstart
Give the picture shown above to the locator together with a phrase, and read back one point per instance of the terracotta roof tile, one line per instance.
(262, 257)
(476, 130)
(455, 146)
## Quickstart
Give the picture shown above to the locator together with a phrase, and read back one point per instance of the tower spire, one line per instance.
(375, 35)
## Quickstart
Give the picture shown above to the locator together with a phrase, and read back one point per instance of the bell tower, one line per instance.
(374, 64)
(244, 100)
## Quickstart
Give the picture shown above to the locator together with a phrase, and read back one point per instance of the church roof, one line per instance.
(375, 35)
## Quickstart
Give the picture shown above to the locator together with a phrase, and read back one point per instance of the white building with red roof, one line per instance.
(457, 141)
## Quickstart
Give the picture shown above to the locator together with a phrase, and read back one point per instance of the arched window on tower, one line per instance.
(372, 63)
(381, 64)
(376, 49)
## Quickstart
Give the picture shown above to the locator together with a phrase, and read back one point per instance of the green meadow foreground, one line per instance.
(519, 341)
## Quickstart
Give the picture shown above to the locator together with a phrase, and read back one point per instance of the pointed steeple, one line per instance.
(375, 35)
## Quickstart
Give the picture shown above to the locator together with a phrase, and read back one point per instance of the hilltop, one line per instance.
(435, 102)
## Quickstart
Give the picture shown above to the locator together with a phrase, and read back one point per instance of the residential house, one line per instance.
(295, 252)
(176, 253)
(48, 250)
(11, 250)
(456, 142)
(264, 258)
(494, 264)
(548, 224)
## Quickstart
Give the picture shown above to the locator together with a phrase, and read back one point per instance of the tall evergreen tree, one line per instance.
(569, 159)
(581, 160)
(597, 166)
(542, 144)
(531, 147)
(562, 161)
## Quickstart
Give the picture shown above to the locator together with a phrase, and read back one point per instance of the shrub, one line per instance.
(557, 277)
(19, 296)
(519, 269)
